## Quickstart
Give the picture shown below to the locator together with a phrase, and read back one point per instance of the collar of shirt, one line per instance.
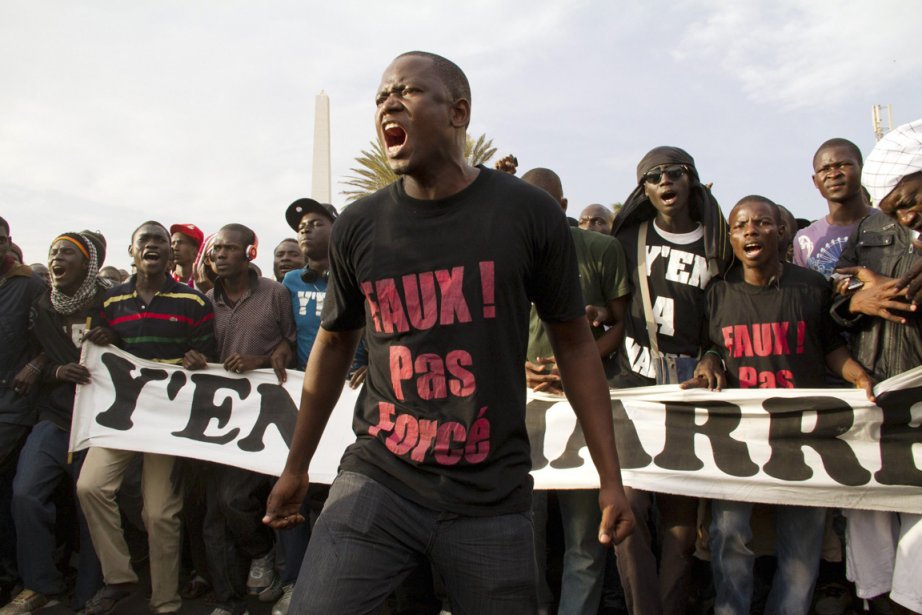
(220, 296)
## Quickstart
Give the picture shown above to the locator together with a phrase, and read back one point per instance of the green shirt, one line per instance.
(603, 277)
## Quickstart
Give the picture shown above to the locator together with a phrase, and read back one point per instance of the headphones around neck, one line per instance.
(310, 276)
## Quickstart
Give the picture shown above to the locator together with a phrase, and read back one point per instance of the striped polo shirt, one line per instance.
(176, 320)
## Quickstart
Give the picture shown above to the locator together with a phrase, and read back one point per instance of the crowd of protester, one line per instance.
(853, 276)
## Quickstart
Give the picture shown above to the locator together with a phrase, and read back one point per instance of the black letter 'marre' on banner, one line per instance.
(730, 455)
(204, 409)
(897, 437)
(127, 390)
(536, 424)
(276, 407)
(630, 451)
(786, 438)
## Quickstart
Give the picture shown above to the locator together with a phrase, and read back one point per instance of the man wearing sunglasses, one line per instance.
(682, 238)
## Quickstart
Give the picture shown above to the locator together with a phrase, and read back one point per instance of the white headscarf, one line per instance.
(894, 157)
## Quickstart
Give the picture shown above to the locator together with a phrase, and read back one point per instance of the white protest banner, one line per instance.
(821, 447)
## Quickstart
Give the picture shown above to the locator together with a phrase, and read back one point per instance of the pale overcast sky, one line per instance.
(112, 113)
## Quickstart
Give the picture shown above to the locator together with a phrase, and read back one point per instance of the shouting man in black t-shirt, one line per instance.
(768, 324)
(440, 268)
(675, 239)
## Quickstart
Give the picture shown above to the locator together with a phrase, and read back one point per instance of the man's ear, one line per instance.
(563, 202)
(815, 183)
(131, 251)
(461, 113)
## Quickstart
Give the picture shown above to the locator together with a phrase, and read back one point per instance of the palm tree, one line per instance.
(373, 172)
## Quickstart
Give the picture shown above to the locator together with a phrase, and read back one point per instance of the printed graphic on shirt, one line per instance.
(681, 267)
(305, 297)
(676, 276)
(76, 333)
(420, 301)
(766, 339)
(824, 259)
(775, 336)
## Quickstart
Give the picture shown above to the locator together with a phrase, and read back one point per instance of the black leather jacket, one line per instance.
(884, 348)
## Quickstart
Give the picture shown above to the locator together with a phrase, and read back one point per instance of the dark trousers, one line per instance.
(42, 466)
(234, 532)
(12, 438)
(650, 589)
(368, 539)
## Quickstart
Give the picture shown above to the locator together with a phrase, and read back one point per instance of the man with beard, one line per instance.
(675, 236)
(58, 323)
(18, 290)
(153, 317)
(884, 322)
(286, 257)
(442, 266)
(254, 329)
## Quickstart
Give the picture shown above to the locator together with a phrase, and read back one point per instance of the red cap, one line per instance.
(189, 230)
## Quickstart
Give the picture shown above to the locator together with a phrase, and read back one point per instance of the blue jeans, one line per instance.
(584, 555)
(368, 539)
(799, 541)
(42, 465)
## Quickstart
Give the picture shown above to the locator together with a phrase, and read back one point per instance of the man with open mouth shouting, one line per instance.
(58, 322)
(153, 317)
(675, 240)
(769, 325)
(440, 269)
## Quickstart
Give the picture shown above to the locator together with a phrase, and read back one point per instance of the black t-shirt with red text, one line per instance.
(444, 289)
(774, 336)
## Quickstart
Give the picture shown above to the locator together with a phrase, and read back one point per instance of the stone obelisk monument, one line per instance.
(320, 190)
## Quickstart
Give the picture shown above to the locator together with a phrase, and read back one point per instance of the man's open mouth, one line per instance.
(752, 248)
(394, 137)
(668, 195)
(58, 270)
(151, 256)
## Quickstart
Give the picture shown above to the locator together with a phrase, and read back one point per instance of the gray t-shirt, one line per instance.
(819, 246)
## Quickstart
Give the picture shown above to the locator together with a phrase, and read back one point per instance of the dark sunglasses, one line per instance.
(673, 172)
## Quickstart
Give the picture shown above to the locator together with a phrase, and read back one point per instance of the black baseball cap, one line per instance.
(296, 211)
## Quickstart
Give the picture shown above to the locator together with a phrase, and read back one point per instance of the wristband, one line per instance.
(33, 368)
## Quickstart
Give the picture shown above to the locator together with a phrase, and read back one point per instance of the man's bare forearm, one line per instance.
(326, 371)
(587, 390)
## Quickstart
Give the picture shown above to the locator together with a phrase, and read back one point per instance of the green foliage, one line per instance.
(373, 172)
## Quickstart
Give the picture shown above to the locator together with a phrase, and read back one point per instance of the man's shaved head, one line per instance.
(548, 181)
(596, 217)
(449, 72)
(838, 142)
